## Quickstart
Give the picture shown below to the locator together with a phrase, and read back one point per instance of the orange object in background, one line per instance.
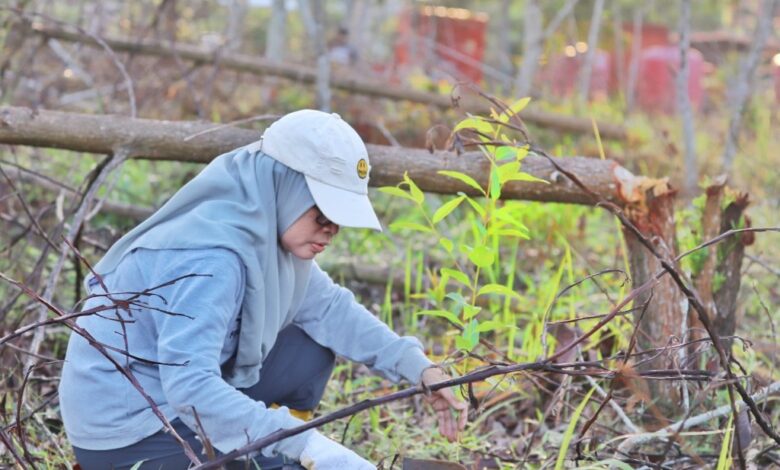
(776, 69)
(444, 42)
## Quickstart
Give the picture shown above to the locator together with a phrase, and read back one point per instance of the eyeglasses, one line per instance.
(323, 221)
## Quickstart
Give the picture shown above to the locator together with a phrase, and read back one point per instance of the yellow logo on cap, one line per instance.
(362, 168)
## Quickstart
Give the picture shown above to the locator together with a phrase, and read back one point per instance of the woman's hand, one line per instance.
(444, 403)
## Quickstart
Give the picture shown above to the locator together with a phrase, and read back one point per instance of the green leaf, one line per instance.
(724, 459)
(443, 314)
(505, 152)
(522, 152)
(469, 337)
(417, 195)
(515, 108)
(395, 191)
(480, 227)
(482, 256)
(462, 344)
(446, 209)
(497, 289)
(521, 176)
(513, 233)
(492, 325)
(476, 123)
(506, 214)
(459, 276)
(570, 430)
(402, 224)
(495, 184)
(463, 177)
(507, 171)
(458, 302)
(475, 205)
(471, 311)
(446, 243)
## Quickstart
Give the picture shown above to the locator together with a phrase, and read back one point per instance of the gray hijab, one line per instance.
(242, 201)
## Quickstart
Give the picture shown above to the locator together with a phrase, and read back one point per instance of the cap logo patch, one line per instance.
(362, 168)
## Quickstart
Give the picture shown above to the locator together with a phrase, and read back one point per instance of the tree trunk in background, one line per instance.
(534, 39)
(684, 107)
(313, 15)
(237, 11)
(532, 47)
(560, 15)
(593, 39)
(276, 36)
(504, 46)
(102, 14)
(360, 25)
(742, 83)
(633, 65)
(620, 55)
(305, 9)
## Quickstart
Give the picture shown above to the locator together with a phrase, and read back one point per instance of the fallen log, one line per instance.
(342, 81)
(169, 140)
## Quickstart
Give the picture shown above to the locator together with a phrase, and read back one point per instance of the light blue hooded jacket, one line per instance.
(223, 225)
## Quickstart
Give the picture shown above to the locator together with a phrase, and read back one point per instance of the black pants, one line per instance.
(294, 374)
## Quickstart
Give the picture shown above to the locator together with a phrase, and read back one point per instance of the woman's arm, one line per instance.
(333, 318)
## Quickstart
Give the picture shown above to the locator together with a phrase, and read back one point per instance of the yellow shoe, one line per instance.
(305, 415)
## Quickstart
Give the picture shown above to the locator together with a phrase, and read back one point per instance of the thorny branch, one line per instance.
(689, 292)
(111, 163)
(102, 349)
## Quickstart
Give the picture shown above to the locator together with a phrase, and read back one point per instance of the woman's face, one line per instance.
(309, 235)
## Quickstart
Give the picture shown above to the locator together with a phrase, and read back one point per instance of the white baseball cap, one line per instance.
(332, 158)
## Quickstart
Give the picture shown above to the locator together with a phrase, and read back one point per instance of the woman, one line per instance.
(247, 340)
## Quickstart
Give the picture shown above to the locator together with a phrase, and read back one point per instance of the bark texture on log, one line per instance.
(719, 279)
(730, 256)
(652, 211)
(710, 225)
(168, 140)
(304, 74)
(653, 215)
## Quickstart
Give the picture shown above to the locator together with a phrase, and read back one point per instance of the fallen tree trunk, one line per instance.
(304, 74)
(168, 140)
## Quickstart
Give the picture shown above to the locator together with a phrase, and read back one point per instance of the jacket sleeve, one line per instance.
(330, 314)
(229, 418)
